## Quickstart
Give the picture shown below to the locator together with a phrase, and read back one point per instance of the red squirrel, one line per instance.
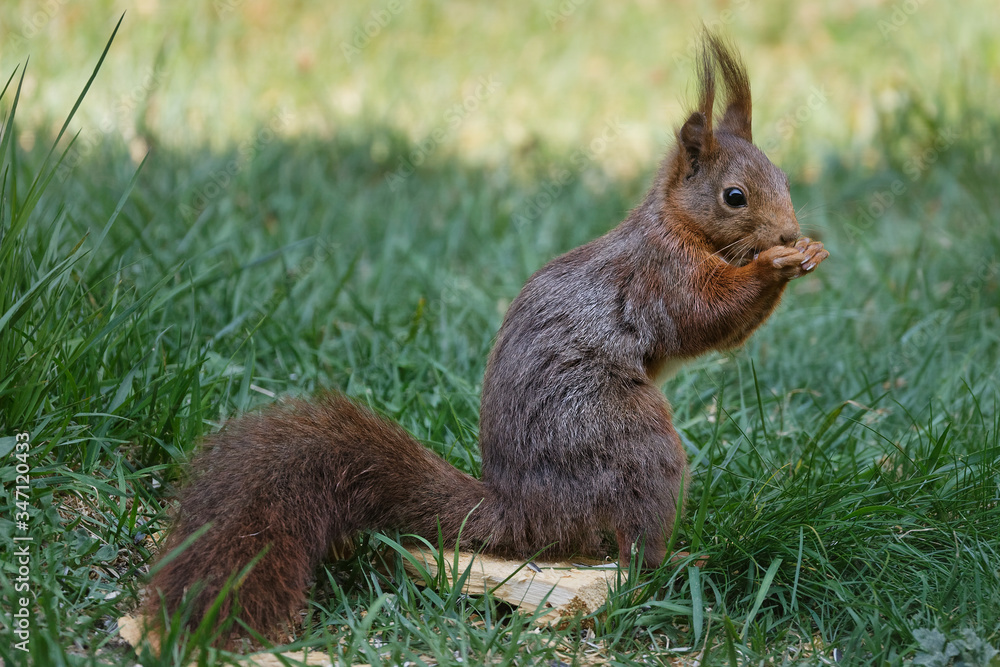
(576, 437)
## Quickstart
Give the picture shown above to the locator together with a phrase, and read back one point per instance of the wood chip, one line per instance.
(564, 589)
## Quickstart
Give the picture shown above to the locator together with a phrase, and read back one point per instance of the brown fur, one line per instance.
(297, 480)
(576, 437)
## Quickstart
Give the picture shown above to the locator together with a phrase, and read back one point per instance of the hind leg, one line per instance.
(643, 524)
(634, 542)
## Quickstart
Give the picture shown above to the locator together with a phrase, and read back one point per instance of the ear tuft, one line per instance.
(738, 114)
(697, 136)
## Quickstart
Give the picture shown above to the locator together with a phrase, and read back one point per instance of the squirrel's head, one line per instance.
(719, 185)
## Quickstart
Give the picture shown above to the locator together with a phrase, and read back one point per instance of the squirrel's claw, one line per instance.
(814, 253)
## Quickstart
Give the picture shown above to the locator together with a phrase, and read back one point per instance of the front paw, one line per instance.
(813, 251)
(784, 263)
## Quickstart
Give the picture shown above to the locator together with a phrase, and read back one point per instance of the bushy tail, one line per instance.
(298, 480)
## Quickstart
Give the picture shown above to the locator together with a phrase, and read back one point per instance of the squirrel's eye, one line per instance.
(734, 197)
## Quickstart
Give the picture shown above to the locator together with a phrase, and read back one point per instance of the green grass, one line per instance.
(846, 463)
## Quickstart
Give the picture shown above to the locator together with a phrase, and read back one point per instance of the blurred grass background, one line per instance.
(349, 195)
(197, 74)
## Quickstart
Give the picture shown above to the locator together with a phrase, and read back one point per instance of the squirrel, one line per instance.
(576, 437)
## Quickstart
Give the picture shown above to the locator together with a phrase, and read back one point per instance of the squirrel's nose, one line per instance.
(790, 233)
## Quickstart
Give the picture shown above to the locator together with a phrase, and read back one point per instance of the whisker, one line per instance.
(742, 245)
(806, 210)
(808, 230)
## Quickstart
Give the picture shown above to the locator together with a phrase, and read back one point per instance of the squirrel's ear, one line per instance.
(695, 143)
